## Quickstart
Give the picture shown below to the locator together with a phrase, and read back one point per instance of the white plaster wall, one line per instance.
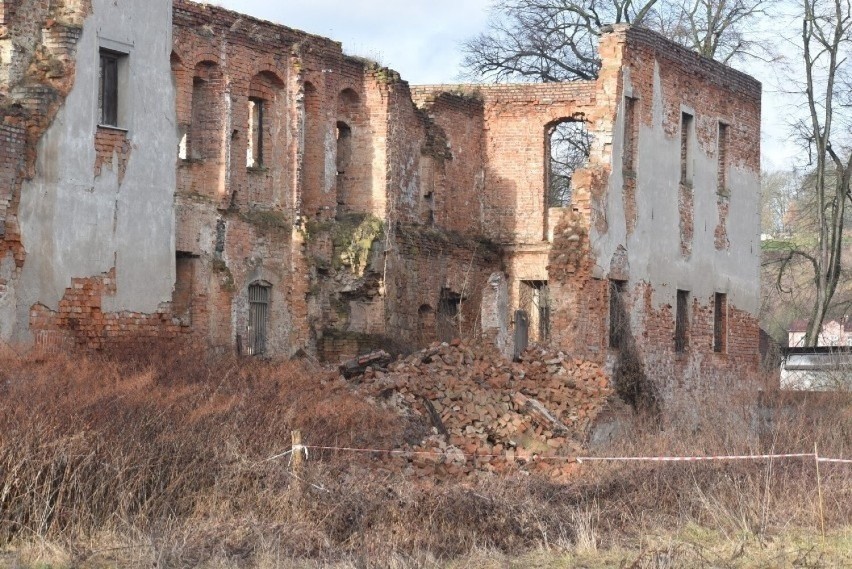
(654, 246)
(76, 225)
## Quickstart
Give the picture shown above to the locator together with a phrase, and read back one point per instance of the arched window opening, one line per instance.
(568, 147)
(344, 157)
(179, 76)
(313, 157)
(205, 131)
(354, 155)
(263, 94)
(259, 297)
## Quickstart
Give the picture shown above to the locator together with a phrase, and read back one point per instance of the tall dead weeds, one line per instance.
(169, 451)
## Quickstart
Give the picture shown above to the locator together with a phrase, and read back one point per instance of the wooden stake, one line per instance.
(819, 494)
(297, 452)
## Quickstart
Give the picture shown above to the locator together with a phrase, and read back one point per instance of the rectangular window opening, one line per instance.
(682, 321)
(108, 88)
(723, 158)
(256, 128)
(686, 149)
(258, 319)
(184, 285)
(535, 301)
(631, 136)
(449, 315)
(720, 323)
(619, 320)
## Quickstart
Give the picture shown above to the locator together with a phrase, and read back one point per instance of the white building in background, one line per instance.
(834, 333)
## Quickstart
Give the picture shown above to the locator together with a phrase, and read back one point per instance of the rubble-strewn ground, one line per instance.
(162, 459)
(488, 414)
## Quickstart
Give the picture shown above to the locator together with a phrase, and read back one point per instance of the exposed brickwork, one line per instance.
(80, 320)
(375, 212)
(112, 150)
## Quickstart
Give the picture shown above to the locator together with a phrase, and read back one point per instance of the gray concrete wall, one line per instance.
(75, 224)
(654, 246)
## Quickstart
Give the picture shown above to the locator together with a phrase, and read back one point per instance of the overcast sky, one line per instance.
(421, 39)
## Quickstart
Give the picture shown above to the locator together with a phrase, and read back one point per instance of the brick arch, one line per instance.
(268, 66)
(349, 105)
(206, 128)
(265, 85)
(206, 55)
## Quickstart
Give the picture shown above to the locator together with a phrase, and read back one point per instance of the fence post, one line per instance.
(296, 461)
(819, 496)
(297, 456)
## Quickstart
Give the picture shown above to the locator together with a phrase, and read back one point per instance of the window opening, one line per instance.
(720, 323)
(535, 301)
(256, 128)
(568, 145)
(108, 95)
(258, 319)
(686, 149)
(184, 280)
(722, 158)
(449, 315)
(618, 318)
(631, 136)
(682, 321)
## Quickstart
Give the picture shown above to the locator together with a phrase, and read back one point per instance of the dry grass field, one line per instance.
(161, 462)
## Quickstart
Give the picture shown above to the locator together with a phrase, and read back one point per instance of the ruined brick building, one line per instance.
(171, 169)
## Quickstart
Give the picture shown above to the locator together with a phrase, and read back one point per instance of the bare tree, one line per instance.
(778, 202)
(556, 40)
(547, 40)
(718, 29)
(825, 41)
(570, 146)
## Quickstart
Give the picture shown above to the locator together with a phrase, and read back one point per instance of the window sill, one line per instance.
(113, 128)
(257, 169)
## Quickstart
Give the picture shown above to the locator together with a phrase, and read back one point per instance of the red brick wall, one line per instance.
(454, 168)
(80, 321)
(515, 121)
(112, 150)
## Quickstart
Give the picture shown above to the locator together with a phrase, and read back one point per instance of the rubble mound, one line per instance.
(488, 414)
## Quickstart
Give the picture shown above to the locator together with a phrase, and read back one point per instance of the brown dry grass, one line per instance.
(161, 461)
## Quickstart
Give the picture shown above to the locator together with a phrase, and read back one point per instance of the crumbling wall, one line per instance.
(106, 206)
(252, 226)
(38, 43)
(452, 172)
(678, 211)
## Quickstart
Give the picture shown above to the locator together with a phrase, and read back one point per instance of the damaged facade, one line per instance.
(194, 172)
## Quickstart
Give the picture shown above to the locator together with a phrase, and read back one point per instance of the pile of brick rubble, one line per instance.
(488, 414)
